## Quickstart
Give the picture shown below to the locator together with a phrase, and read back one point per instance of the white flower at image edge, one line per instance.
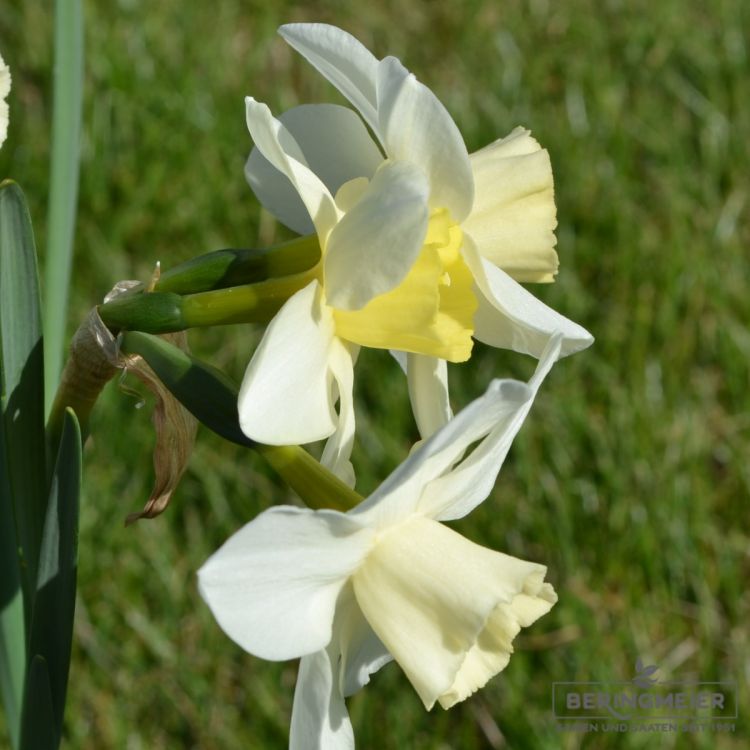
(348, 592)
(422, 245)
(4, 91)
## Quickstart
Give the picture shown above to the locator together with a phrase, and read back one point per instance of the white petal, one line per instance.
(370, 251)
(459, 491)
(286, 398)
(405, 115)
(513, 217)
(279, 147)
(277, 194)
(334, 141)
(350, 193)
(4, 79)
(401, 358)
(399, 496)
(509, 317)
(416, 127)
(445, 607)
(3, 121)
(428, 392)
(339, 446)
(272, 587)
(362, 652)
(519, 142)
(336, 147)
(338, 56)
(319, 717)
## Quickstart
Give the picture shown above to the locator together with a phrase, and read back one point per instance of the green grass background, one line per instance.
(630, 479)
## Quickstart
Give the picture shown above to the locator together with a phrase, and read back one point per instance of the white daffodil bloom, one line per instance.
(4, 91)
(350, 591)
(421, 245)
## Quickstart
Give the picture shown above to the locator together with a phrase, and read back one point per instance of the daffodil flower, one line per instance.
(350, 591)
(4, 91)
(420, 244)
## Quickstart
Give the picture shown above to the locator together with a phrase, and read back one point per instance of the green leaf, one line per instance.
(12, 629)
(211, 397)
(22, 458)
(12, 624)
(63, 191)
(54, 606)
(38, 732)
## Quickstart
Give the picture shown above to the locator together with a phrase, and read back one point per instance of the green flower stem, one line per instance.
(317, 486)
(166, 312)
(252, 303)
(228, 268)
(156, 312)
(212, 399)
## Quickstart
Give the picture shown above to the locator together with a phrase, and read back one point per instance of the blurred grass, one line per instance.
(630, 479)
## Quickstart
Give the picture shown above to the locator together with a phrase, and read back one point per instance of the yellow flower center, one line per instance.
(431, 311)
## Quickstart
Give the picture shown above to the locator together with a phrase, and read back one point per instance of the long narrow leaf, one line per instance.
(23, 495)
(38, 731)
(63, 195)
(52, 623)
(12, 630)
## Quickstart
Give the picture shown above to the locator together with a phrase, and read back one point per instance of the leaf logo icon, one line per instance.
(643, 677)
